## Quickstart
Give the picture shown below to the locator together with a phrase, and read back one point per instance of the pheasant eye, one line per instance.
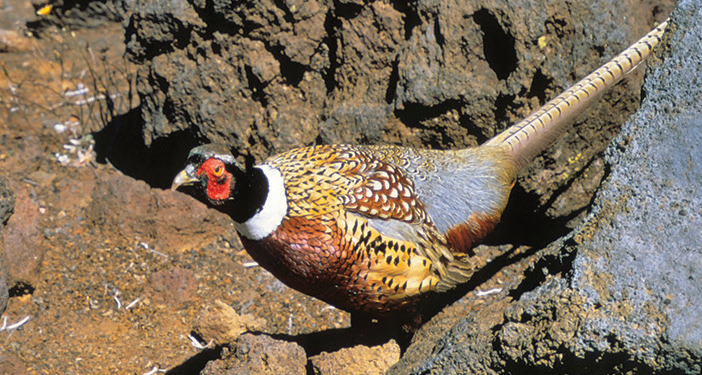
(218, 171)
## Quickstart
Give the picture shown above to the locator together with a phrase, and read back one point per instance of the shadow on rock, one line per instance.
(121, 144)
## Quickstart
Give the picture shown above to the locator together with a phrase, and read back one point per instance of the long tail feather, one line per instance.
(528, 138)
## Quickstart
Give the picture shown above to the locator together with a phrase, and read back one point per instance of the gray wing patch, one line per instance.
(453, 191)
(451, 185)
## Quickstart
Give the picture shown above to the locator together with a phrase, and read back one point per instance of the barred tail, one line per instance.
(528, 138)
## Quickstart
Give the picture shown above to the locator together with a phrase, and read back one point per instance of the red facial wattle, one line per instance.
(218, 179)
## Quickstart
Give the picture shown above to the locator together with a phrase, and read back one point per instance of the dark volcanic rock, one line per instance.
(7, 201)
(631, 303)
(85, 13)
(7, 206)
(266, 76)
(643, 264)
(4, 293)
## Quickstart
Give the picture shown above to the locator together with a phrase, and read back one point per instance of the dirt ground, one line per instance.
(106, 286)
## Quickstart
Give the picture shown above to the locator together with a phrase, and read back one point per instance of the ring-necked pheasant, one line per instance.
(374, 229)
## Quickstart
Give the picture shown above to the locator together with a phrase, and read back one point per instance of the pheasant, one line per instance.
(377, 229)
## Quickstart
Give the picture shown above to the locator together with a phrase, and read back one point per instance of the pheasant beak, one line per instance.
(184, 178)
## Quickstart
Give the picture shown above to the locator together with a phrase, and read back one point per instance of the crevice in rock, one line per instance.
(565, 187)
(253, 141)
(600, 51)
(334, 339)
(143, 51)
(411, 18)
(288, 16)
(347, 10)
(256, 86)
(474, 130)
(502, 105)
(593, 362)
(557, 25)
(551, 264)
(182, 37)
(331, 25)
(216, 48)
(20, 289)
(160, 82)
(498, 44)
(538, 86)
(318, 141)
(121, 144)
(393, 81)
(438, 34)
(414, 114)
(216, 22)
(290, 70)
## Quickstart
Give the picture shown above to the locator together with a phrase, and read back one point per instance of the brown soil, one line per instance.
(111, 273)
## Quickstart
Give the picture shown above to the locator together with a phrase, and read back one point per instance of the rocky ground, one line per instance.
(107, 272)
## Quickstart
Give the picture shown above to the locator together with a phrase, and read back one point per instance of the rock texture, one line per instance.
(221, 324)
(13, 41)
(145, 215)
(631, 300)
(259, 354)
(357, 360)
(7, 205)
(264, 77)
(7, 201)
(83, 13)
(24, 246)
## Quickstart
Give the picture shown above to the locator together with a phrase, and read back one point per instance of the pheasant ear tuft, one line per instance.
(199, 154)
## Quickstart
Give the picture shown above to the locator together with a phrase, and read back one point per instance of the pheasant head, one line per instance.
(253, 197)
(210, 175)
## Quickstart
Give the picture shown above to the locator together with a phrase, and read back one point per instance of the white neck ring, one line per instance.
(268, 219)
